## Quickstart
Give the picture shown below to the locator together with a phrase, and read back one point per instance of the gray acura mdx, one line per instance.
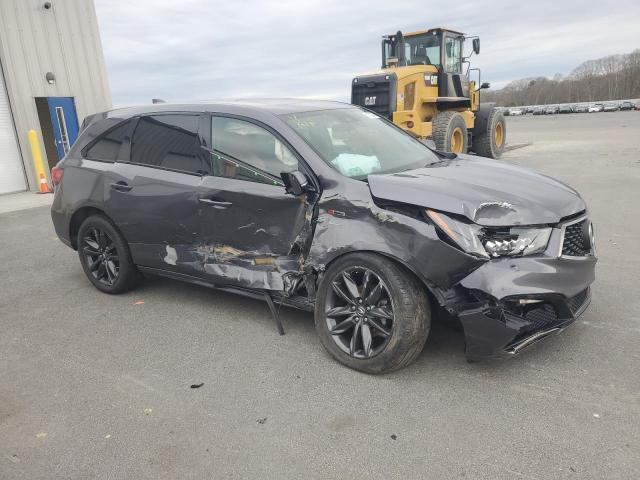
(330, 208)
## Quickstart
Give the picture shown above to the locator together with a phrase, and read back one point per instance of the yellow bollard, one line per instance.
(38, 164)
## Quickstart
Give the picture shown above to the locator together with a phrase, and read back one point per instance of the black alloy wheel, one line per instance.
(101, 256)
(371, 313)
(105, 257)
(359, 312)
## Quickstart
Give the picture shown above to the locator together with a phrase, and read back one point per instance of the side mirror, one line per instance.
(485, 85)
(296, 182)
(476, 46)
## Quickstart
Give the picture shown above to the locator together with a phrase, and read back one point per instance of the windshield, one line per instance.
(356, 142)
(422, 50)
(418, 50)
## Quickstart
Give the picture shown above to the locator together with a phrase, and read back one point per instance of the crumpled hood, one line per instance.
(487, 192)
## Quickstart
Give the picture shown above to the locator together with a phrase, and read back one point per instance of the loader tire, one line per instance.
(450, 132)
(490, 142)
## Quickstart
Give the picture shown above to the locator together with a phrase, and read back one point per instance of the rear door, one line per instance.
(153, 192)
(252, 233)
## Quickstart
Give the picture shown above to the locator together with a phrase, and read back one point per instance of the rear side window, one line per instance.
(246, 151)
(169, 141)
(108, 146)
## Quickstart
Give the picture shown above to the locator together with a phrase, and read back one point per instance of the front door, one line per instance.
(252, 233)
(64, 121)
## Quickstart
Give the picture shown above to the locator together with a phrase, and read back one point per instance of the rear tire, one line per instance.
(450, 132)
(492, 141)
(394, 318)
(105, 256)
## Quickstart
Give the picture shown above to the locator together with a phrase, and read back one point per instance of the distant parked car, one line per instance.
(581, 109)
(627, 106)
(538, 111)
(611, 107)
(551, 110)
(596, 107)
(514, 112)
(565, 109)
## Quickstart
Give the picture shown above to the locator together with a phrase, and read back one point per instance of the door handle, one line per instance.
(215, 203)
(121, 186)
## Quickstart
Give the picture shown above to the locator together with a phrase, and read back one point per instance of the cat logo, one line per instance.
(368, 101)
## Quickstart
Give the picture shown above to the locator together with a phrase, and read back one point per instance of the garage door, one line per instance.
(11, 171)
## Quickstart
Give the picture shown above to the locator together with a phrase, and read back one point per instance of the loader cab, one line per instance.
(438, 47)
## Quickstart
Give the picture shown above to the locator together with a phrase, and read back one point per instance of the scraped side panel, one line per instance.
(359, 224)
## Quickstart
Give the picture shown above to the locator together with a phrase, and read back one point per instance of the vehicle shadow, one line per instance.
(443, 351)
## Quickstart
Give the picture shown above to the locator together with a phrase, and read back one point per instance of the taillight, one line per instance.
(56, 175)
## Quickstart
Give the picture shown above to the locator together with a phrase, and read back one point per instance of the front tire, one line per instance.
(105, 257)
(450, 132)
(370, 314)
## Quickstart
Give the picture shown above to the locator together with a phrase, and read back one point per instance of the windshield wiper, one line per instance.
(444, 155)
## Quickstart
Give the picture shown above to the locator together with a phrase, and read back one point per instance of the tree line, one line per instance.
(615, 77)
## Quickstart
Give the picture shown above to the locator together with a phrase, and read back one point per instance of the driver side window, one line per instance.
(453, 54)
(246, 151)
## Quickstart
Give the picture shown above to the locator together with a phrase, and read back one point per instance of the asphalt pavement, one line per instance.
(98, 386)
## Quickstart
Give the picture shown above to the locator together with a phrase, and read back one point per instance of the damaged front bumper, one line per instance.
(511, 304)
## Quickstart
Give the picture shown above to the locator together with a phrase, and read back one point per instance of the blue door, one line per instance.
(64, 121)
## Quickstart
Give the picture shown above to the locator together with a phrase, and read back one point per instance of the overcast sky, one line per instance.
(206, 49)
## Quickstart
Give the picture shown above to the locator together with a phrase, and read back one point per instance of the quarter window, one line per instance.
(108, 146)
(171, 142)
(245, 151)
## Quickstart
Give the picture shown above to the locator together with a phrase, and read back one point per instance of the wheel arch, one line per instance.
(79, 216)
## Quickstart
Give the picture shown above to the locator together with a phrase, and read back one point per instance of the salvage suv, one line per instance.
(330, 208)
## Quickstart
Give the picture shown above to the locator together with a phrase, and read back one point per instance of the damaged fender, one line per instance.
(350, 221)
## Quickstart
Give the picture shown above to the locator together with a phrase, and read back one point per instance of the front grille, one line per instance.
(576, 302)
(576, 242)
(541, 317)
(376, 93)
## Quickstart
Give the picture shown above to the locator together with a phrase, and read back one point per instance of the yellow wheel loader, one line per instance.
(424, 88)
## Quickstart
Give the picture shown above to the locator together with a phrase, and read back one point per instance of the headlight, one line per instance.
(492, 242)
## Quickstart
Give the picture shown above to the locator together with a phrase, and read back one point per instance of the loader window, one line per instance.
(418, 50)
(453, 55)
(422, 50)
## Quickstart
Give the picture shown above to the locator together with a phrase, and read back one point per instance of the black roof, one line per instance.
(275, 106)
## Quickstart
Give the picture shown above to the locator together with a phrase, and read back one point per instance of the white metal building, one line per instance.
(52, 74)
